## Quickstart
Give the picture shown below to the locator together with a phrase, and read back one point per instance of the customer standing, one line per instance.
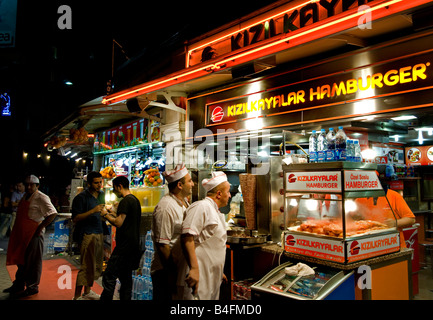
(126, 254)
(16, 197)
(6, 211)
(26, 243)
(166, 229)
(204, 239)
(88, 232)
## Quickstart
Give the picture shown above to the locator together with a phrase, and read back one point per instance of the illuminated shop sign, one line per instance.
(5, 104)
(386, 79)
(296, 17)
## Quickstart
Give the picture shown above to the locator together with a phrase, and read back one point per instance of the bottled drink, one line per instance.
(340, 144)
(330, 152)
(313, 146)
(349, 150)
(357, 151)
(322, 146)
(134, 287)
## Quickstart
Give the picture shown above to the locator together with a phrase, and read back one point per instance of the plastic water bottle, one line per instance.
(340, 144)
(313, 147)
(141, 288)
(357, 151)
(134, 287)
(322, 146)
(330, 152)
(116, 290)
(50, 244)
(349, 150)
(150, 289)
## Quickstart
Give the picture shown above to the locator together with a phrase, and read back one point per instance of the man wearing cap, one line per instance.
(204, 239)
(166, 228)
(26, 244)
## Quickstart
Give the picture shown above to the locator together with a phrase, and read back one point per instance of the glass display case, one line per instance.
(337, 211)
(325, 283)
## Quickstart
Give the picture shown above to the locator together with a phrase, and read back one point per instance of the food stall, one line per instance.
(273, 71)
(133, 150)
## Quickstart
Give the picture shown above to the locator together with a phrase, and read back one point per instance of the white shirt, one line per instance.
(205, 222)
(40, 206)
(167, 224)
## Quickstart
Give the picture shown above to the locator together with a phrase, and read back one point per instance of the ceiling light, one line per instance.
(68, 83)
(395, 137)
(420, 137)
(403, 118)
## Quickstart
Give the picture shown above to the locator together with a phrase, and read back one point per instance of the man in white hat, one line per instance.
(26, 243)
(204, 239)
(166, 228)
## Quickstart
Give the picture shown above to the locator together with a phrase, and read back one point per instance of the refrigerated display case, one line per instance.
(325, 284)
(337, 211)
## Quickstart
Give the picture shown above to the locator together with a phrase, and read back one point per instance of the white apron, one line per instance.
(211, 256)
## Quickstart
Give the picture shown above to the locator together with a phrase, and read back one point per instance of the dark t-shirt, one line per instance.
(128, 235)
(84, 202)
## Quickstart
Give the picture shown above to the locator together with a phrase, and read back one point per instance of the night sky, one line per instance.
(44, 57)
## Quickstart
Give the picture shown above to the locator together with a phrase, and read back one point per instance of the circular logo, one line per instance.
(217, 114)
(290, 240)
(354, 248)
(292, 178)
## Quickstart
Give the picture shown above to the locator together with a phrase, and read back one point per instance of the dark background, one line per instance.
(44, 57)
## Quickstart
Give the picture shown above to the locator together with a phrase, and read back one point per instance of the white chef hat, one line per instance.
(217, 178)
(32, 179)
(177, 173)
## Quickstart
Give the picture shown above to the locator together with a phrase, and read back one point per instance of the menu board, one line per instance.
(127, 135)
(419, 156)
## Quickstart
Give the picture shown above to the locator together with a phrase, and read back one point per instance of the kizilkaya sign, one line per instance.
(299, 15)
(392, 78)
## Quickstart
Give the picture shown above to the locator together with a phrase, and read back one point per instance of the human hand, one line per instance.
(390, 223)
(98, 208)
(192, 280)
(225, 280)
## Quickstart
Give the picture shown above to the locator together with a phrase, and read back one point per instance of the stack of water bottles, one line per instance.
(142, 287)
(50, 245)
(331, 146)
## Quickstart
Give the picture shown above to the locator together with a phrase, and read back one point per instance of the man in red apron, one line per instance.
(204, 239)
(26, 242)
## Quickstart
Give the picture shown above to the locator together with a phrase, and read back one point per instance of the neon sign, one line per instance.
(282, 23)
(409, 74)
(5, 104)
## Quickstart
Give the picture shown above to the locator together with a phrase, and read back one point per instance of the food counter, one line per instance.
(339, 223)
(390, 274)
(337, 211)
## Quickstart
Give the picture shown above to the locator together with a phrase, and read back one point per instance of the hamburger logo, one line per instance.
(292, 178)
(290, 240)
(217, 114)
(354, 248)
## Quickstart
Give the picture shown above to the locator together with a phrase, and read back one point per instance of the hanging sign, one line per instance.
(128, 135)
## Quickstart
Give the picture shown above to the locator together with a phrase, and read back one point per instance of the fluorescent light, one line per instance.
(420, 137)
(68, 83)
(74, 155)
(403, 118)
(67, 152)
(395, 137)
